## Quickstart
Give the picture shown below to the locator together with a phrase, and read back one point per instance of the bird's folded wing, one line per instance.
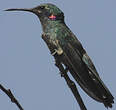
(85, 71)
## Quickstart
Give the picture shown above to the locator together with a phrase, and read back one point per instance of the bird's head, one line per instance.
(45, 12)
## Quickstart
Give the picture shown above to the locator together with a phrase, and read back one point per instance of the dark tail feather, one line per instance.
(108, 102)
(107, 97)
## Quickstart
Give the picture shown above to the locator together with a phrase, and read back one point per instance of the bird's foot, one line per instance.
(58, 51)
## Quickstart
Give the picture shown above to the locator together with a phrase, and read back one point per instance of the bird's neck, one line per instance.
(50, 24)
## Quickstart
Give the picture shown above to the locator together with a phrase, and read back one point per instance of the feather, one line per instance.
(84, 72)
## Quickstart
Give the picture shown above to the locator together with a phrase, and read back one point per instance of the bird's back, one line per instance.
(81, 66)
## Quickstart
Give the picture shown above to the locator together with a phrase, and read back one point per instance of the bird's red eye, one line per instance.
(53, 17)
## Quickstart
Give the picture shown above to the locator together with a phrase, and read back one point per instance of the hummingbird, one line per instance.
(64, 44)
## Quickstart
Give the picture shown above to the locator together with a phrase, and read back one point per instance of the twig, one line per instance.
(11, 96)
(71, 85)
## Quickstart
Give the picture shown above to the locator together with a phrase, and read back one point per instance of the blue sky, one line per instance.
(26, 66)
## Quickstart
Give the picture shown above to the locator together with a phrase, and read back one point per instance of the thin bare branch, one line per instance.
(11, 96)
(71, 85)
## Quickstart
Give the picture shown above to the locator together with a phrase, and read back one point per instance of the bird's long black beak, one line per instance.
(21, 9)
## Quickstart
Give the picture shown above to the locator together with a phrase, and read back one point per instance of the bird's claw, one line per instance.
(58, 51)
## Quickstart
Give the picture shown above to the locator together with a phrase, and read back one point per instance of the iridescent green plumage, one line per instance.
(76, 58)
(63, 43)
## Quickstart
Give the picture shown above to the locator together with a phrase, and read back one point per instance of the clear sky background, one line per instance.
(26, 66)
